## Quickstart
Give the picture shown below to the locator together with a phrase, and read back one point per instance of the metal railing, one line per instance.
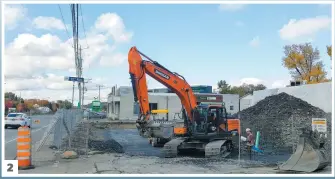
(68, 130)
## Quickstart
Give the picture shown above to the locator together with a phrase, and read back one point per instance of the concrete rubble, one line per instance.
(279, 119)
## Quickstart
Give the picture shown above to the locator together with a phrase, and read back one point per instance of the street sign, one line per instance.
(69, 78)
(319, 124)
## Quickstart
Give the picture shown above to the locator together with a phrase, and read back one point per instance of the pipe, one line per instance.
(257, 139)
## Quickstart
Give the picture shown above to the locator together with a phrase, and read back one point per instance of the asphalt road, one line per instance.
(37, 132)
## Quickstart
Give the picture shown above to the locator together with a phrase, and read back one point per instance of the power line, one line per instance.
(61, 13)
(82, 21)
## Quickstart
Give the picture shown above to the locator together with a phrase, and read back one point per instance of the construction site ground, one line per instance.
(140, 157)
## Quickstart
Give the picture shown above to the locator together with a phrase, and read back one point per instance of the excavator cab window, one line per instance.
(200, 119)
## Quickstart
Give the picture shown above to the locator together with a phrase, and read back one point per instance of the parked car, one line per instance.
(17, 120)
(93, 115)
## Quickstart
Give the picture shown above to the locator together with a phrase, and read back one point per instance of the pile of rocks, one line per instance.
(280, 118)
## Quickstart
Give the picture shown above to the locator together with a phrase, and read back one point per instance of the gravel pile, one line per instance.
(279, 118)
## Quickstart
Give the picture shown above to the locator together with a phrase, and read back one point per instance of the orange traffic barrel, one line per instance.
(23, 155)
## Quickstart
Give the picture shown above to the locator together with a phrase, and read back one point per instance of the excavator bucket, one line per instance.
(308, 157)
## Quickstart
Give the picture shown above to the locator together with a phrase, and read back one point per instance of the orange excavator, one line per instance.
(205, 126)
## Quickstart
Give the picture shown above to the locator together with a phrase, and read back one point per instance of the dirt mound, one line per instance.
(279, 119)
(282, 105)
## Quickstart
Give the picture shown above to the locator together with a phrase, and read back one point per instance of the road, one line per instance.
(37, 132)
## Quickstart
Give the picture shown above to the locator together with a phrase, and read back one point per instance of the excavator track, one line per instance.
(217, 148)
(170, 149)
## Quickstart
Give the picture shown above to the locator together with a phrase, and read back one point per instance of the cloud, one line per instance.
(28, 55)
(36, 83)
(249, 80)
(231, 7)
(255, 42)
(113, 60)
(113, 25)
(32, 61)
(304, 28)
(54, 87)
(37, 54)
(279, 84)
(13, 14)
(48, 23)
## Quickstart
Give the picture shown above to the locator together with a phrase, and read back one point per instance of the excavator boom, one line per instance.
(138, 68)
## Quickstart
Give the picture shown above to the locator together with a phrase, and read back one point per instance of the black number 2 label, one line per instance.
(10, 167)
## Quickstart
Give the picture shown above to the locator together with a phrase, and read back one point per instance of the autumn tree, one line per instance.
(29, 104)
(329, 51)
(43, 103)
(304, 63)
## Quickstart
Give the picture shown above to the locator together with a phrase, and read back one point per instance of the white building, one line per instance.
(121, 104)
(246, 101)
(318, 95)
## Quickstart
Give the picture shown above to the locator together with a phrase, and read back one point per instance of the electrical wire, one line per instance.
(82, 21)
(61, 13)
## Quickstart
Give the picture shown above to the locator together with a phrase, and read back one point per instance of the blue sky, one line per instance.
(204, 43)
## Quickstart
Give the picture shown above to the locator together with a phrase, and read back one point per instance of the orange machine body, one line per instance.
(138, 68)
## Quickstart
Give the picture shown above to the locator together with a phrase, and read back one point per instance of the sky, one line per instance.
(204, 43)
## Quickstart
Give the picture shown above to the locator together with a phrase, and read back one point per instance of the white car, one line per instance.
(17, 120)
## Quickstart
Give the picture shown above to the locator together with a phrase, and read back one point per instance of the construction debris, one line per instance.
(69, 155)
(280, 118)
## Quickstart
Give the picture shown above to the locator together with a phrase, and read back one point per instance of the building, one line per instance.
(318, 95)
(121, 104)
(245, 101)
(195, 89)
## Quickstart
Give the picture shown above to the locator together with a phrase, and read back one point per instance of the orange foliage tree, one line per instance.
(29, 104)
(329, 51)
(303, 62)
(43, 102)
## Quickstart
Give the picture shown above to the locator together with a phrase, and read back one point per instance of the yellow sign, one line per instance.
(157, 111)
(37, 121)
(319, 124)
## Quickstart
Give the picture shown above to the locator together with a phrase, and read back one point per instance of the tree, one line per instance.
(223, 86)
(244, 89)
(44, 103)
(67, 104)
(329, 51)
(29, 104)
(303, 62)
(64, 104)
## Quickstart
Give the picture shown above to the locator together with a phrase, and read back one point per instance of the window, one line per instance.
(136, 108)
(231, 107)
(153, 106)
(13, 115)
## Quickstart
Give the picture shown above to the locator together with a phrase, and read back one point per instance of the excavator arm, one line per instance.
(138, 68)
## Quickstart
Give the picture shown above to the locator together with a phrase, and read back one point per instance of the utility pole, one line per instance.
(72, 94)
(99, 86)
(79, 75)
(84, 89)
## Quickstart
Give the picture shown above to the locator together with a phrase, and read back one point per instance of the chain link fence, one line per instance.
(68, 131)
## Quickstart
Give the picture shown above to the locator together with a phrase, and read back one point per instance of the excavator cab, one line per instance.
(209, 119)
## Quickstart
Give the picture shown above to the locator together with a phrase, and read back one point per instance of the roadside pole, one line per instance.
(72, 93)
